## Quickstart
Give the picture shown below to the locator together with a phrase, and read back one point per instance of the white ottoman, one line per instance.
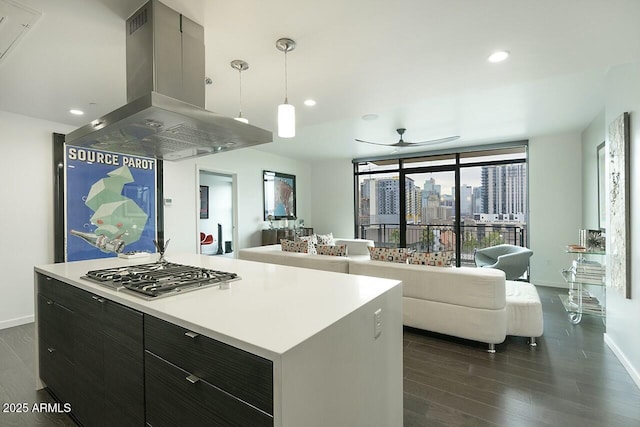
(524, 310)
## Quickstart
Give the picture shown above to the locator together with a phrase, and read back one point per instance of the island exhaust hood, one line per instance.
(164, 117)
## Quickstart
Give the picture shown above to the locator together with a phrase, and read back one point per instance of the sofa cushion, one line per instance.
(311, 242)
(389, 254)
(325, 239)
(466, 286)
(291, 246)
(356, 247)
(273, 254)
(333, 250)
(436, 259)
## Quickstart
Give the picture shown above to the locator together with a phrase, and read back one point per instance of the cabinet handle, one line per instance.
(51, 349)
(97, 298)
(191, 334)
(193, 379)
(49, 302)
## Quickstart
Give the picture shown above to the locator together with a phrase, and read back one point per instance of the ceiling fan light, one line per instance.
(241, 119)
(286, 121)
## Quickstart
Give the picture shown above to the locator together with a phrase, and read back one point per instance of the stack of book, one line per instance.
(588, 272)
(589, 302)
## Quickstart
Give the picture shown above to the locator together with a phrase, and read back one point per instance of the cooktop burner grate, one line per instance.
(159, 279)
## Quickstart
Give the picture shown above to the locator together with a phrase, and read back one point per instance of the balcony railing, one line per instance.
(441, 237)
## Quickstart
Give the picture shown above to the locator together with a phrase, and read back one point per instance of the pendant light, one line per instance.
(240, 65)
(286, 111)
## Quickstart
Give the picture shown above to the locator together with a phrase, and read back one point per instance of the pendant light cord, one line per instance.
(286, 97)
(240, 74)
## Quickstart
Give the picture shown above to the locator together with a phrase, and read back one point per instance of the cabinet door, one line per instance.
(123, 366)
(55, 348)
(176, 398)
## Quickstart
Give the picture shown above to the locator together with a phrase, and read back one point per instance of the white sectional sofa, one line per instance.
(465, 302)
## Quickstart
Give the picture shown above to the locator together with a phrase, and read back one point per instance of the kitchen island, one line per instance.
(282, 346)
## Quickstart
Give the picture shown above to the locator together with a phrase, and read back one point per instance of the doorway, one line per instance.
(217, 212)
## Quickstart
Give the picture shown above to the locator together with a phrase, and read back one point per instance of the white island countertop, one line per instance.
(269, 311)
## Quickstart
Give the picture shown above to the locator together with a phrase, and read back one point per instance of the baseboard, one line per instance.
(5, 324)
(623, 359)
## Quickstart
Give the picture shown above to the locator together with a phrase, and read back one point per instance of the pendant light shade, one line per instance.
(286, 111)
(286, 121)
(240, 65)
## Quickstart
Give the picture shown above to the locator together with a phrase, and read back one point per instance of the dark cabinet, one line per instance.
(91, 354)
(230, 387)
(273, 236)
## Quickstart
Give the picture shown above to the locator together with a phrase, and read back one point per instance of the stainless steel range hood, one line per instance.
(164, 116)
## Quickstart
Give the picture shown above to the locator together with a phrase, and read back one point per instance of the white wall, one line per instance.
(592, 136)
(555, 204)
(332, 202)
(27, 210)
(180, 184)
(623, 315)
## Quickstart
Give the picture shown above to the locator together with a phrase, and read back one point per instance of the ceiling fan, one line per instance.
(403, 143)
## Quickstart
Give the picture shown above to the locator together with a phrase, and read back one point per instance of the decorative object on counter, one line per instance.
(270, 219)
(286, 111)
(619, 203)
(204, 202)
(279, 193)
(240, 65)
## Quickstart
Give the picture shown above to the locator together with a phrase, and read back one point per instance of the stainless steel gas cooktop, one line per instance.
(159, 279)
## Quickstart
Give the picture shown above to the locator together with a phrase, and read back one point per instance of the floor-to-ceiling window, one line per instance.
(456, 201)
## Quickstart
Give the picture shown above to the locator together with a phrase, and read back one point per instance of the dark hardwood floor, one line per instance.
(570, 379)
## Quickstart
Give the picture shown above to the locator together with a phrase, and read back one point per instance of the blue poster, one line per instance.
(110, 203)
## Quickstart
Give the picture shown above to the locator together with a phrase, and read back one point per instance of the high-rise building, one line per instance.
(504, 189)
(466, 201)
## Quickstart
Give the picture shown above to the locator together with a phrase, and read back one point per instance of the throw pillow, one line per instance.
(311, 242)
(389, 254)
(437, 259)
(291, 246)
(325, 239)
(333, 250)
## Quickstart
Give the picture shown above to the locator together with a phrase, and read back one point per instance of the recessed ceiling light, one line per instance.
(498, 56)
(369, 117)
(76, 112)
(309, 102)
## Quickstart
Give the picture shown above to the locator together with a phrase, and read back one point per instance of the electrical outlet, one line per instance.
(377, 323)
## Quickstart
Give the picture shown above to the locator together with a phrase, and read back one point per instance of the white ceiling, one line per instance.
(417, 64)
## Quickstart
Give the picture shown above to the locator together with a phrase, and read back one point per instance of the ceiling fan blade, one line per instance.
(434, 141)
(376, 143)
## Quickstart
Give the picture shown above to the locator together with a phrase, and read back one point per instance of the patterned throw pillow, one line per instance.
(333, 250)
(389, 254)
(291, 246)
(325, 239)
(437, 259)
(311, 242)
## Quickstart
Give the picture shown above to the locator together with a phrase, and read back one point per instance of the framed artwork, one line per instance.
(279, 192)
(204, 202)
(109, 203)
(619, 250)
(601, 155)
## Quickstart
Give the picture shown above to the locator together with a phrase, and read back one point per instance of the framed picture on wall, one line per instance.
(204, 202)
(279, 195)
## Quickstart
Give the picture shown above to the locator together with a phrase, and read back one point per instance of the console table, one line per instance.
(273, 236)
